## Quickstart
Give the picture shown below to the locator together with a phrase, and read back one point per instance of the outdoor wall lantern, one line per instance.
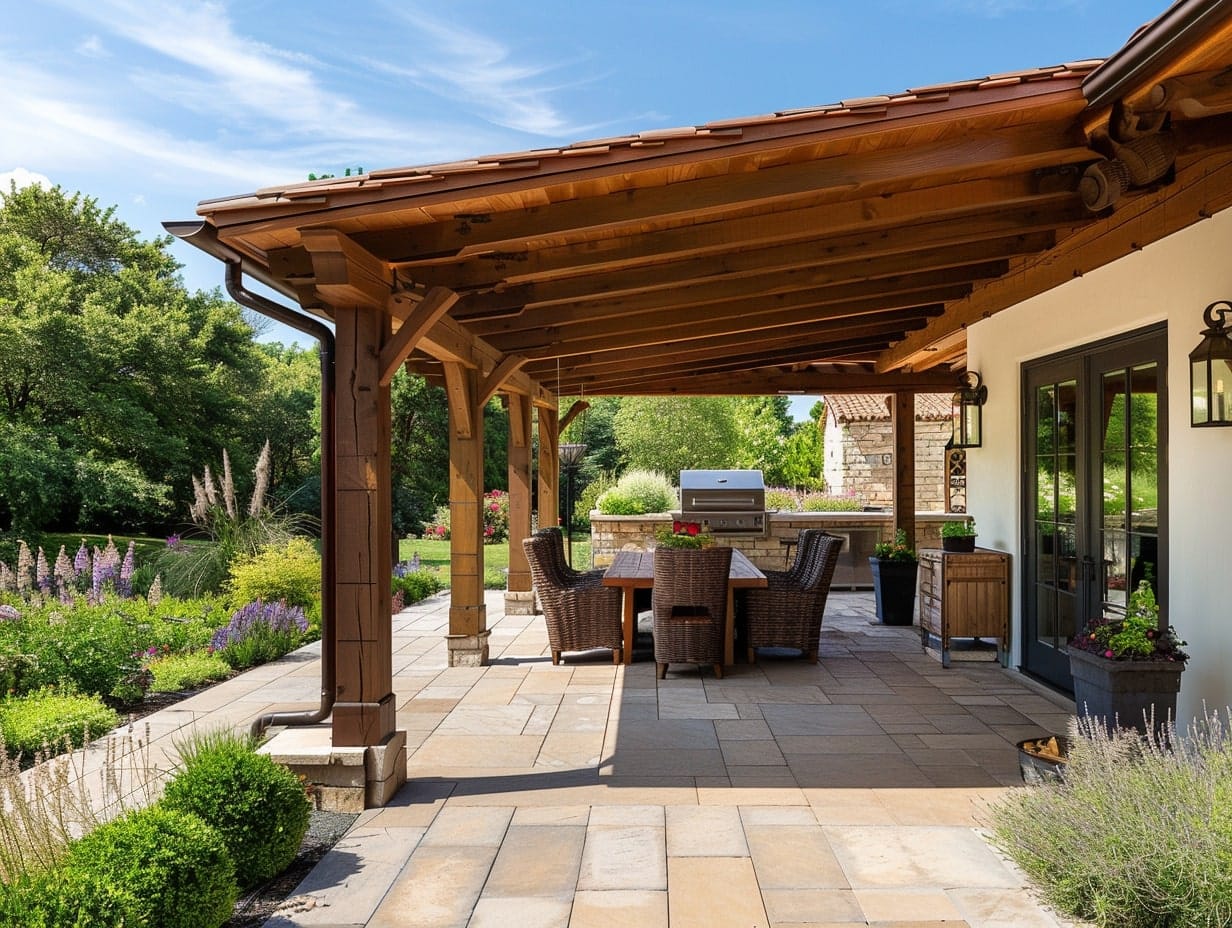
(1210, 370)
(967, 411)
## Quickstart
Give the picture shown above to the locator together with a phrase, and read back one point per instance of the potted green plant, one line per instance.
(958, 535)
(1128, 668)
(686, 535)
(894, 566)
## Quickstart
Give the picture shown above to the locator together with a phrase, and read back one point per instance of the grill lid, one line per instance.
(722, 491)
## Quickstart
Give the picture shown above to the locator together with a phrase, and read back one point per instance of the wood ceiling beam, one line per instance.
(809, 342)
(716, 236)
(1017, 233)
(345, 273)
(985, 152)
(1201, 189)
(772, 382)
(773, 312)
(848, 281)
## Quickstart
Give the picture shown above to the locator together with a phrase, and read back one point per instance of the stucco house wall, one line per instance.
(1171, 281)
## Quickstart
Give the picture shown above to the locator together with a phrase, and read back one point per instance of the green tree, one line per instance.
(764, 423)
(114, 380)
(671, 434)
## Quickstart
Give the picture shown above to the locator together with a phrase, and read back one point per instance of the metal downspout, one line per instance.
(309, 326)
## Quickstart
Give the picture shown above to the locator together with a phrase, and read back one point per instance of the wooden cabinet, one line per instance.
(965, 596)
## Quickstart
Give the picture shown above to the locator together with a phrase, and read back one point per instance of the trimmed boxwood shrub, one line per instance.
(175, 865)
(417, 585)
(258, 805)
(37, 720)
(69, 898)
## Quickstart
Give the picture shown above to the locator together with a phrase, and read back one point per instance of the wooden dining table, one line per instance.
(634, 570)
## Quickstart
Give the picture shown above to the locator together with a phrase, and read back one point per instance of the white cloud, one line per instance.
(467, 66)
(92, 47)
(22, 178)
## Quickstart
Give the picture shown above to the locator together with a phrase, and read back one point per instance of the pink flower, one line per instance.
(1109, 654)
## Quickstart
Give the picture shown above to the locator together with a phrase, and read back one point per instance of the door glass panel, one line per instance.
(1046, 553)
(1046, 421)
(1144, 483)
(1067, 488)
(1115, 568)
(1113, 408)
(1144, 561)
(1046, 619)
(1046, 491)
(1067, 415)
(1114, 489)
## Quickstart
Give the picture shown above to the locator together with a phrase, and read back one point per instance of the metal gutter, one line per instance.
(1164, 38)
(203, 236)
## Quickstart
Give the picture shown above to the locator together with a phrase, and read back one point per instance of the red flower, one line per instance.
(694, 528)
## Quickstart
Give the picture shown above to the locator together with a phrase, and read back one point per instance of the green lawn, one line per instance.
(435, 554)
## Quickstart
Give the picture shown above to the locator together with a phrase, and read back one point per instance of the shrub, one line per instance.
(417, 585)
(638, 492)
(817, 502)
(1139, 832)
(64, 898)
(589, 497)
(89, 647)
(289, 572)
(176, 672)
(782, 499)
(175, 865)
(257, 805)
(259, 632)
(35, 721)
(495, 517)
(438, 528)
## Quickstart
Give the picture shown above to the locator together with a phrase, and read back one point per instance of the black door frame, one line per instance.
(1085, 364)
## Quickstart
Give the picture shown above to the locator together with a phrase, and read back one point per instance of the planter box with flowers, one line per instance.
(958, 536)
(894, 566)
(1128, 669)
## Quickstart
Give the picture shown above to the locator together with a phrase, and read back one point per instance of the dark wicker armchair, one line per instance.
(788, 612)
(557, 538)
(690, 606)
(581, 613)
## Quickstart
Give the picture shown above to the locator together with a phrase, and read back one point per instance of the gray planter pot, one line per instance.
(1124, 693)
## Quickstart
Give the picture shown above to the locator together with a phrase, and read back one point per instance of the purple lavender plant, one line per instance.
(257, 618)
(81, 563)
(42, 572)
(124, 583)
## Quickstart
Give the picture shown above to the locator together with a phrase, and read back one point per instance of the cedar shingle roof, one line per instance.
(873, 407)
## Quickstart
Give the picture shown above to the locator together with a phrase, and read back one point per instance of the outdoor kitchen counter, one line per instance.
(860, 530)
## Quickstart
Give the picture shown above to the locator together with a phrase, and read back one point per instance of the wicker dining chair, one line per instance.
(557, 538)
(580, 612)
(787, 613)
(690, 606)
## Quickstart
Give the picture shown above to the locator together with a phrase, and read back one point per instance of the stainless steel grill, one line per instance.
(733, 502)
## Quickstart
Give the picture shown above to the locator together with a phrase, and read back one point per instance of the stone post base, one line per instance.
(344, 779)
(518, 602)
(468, 650)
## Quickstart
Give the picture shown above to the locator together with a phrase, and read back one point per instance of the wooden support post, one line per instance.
(549, 468)
(902, 411)
(364, 708)
(519, 595)
(468, 621)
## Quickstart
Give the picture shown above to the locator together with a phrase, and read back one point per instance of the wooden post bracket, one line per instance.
(421, 319)
(493, 382)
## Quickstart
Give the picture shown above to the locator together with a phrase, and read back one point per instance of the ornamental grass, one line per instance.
(1139, 832)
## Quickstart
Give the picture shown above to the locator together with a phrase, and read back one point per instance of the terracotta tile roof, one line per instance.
(872, 407)
(871, 108)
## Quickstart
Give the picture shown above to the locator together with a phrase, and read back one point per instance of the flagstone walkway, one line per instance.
(586, 795)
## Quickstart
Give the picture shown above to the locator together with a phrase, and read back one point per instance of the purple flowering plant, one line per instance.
(259, 632)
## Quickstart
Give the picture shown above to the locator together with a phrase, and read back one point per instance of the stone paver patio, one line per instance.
(586, 795)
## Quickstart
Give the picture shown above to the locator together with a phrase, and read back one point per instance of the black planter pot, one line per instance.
(894, 587)
(1124, 693)
(959, 543)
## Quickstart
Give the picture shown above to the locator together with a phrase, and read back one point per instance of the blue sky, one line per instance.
(151, 107)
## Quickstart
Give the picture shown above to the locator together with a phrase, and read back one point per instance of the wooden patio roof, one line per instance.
(835, 249)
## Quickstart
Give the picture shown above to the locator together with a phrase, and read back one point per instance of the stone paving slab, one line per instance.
(588, 795)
